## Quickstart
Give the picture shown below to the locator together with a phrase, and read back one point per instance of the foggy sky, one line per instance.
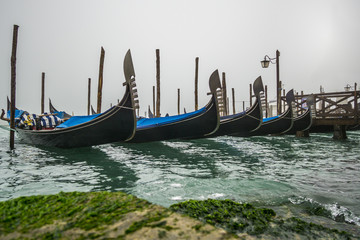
(318, 42)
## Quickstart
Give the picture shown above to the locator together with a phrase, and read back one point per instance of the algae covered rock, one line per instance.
(249, 222)
(232, 216)
(97, 215)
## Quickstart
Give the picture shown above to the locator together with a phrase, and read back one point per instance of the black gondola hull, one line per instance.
(301, 123)
(194, 127)
(275, 126)
(241, 125)
(117, 124)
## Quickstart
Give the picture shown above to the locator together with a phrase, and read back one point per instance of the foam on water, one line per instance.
(315, 171)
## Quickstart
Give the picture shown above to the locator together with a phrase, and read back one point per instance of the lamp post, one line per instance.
(348, 87)
(265, 64)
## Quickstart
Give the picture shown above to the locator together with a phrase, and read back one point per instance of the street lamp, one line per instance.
(265, 64)
(267, 60)
(348, 87)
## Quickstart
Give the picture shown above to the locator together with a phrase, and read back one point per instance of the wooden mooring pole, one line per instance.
(250, 89)
(196, 82)
(228, 106)
(42, 92)
(224, 94)
(339, 132)
(178, 101)
(356, 107)
(283, 105)
(13, 87)
(154, 113)
(266, 102)
(89, 91)
(278, 83)
(100, 85)
(233, 99)
(158, 83)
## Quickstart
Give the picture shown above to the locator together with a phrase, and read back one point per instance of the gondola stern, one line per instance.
(290, 97)
(128, 66)
(214, 82)
(258, 86)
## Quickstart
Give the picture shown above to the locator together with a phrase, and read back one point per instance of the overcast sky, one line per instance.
(318, 41)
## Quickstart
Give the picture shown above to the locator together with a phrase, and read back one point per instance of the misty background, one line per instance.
(318, 43)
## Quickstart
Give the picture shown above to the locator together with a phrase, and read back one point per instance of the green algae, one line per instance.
(77, 210)
(232, 216)
(244, 218)
(94, 212)
(151, 220)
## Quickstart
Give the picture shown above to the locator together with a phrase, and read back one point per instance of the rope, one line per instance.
(124, 107)
(7, 128)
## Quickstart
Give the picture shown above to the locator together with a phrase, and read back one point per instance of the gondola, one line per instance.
(60, 114)
(241, 124)
(303, 122)
(190, 125)
(116, 124)
(92, 110)
(279, 124)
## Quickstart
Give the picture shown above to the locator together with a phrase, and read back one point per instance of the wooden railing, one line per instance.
(331, 106)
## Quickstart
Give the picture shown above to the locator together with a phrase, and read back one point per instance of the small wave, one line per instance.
(176, 185)
(216, 195)
(334, 210)
(176, 198)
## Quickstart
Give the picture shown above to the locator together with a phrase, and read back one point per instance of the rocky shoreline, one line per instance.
(116, 215)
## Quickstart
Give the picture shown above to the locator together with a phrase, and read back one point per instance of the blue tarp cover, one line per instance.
(18, 113)
(60, 114)
(232, 116)
(76, 120)
(152, 122)
(270, 118)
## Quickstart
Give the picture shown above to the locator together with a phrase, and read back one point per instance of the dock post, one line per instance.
(243, 106)
(228, 106)
(356, 107)
(302, 133)
(283, 105)
(224, 94)
(101, 69)
(250, 94)
(89, 90)
(196, 82)
(42, 92)
(158, 83)
(154, 101)
(297, 106)
(13, 87)
(266, 102)
(178, 101)
(302, 95)
(339, 132)
(233, 99)
(278, 83)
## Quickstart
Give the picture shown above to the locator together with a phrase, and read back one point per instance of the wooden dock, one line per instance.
(333, 111)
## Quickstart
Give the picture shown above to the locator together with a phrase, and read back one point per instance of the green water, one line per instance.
(267, 171)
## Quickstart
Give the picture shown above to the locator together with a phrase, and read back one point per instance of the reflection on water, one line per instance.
(263, 170)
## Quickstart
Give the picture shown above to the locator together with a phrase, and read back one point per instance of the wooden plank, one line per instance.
(338, 121)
